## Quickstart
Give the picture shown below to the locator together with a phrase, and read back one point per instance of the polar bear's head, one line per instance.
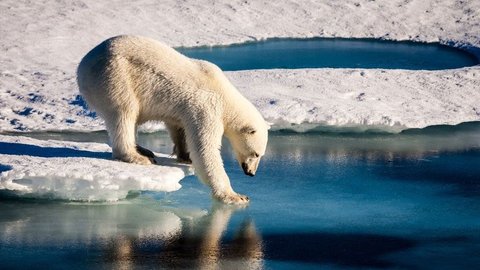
(249, 144)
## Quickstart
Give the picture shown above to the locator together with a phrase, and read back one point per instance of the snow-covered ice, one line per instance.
(79, 171)
(362, 99)
(43, 41)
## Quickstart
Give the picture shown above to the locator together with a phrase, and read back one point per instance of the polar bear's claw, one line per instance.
(145, 152)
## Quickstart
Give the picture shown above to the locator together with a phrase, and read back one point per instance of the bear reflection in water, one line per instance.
(199, 246)
(124, 236)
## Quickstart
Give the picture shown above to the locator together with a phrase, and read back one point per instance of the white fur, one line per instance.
(129, 80)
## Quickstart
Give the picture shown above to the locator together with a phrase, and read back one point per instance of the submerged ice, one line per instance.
(79, 171)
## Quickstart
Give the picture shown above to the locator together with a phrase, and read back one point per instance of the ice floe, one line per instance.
(79, 171)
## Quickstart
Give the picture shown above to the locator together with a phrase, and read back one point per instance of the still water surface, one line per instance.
(333, 53)
(332, 201)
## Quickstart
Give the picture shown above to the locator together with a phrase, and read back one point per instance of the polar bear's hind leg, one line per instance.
(121, 129)
(180, 149)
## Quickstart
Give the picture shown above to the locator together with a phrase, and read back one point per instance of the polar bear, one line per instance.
(129, 80)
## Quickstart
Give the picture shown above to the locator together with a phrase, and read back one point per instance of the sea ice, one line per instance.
(390, 100)
(79, 171)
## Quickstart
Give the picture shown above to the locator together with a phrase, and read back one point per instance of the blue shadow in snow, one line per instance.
(64, 152)
(79, 101)
(4, 168)
(49, 152)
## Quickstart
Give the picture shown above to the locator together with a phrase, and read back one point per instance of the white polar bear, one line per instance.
(129, 80)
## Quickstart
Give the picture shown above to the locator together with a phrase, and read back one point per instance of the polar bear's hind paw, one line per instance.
(137, 159)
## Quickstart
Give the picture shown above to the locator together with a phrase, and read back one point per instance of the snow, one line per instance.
(79, 171)
(43, 41)
(362, 99)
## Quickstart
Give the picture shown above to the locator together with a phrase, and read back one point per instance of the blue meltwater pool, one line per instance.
(333, 53)
(325, 200)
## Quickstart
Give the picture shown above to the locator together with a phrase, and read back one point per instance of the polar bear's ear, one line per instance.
(248, 130)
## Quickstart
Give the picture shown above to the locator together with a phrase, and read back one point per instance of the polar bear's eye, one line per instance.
(256, 155)
(248, 130)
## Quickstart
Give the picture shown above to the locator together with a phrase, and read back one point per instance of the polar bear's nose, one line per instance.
(246, 170)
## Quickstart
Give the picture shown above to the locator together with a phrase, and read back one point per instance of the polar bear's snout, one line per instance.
(250, 168)
(246, 170)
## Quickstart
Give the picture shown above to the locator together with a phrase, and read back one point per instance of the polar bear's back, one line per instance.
(144, 64)
(127, 69)
(141, 55)
(136, 50)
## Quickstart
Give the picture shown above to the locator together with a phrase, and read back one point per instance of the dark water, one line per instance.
(350, 201)
(333, 53)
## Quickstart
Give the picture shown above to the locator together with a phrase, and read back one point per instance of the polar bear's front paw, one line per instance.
(232, 198)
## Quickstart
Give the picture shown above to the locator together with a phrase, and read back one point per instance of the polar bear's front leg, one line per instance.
(208, 166)
(204, 142)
